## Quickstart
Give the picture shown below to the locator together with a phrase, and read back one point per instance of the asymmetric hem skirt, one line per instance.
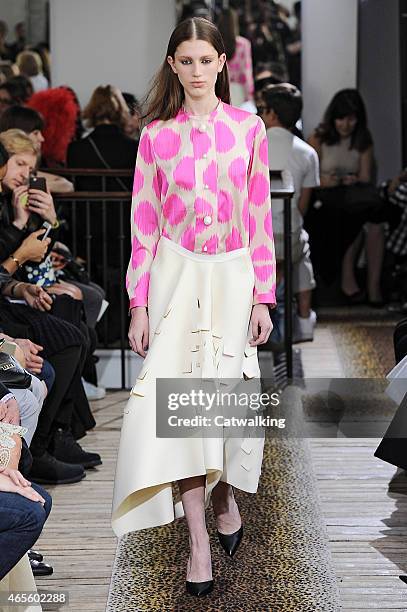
(199, 309)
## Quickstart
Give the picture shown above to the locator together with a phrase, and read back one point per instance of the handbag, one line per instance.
(12, 375)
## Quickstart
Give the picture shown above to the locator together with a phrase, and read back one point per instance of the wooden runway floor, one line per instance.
(367, 525)
(77, 540)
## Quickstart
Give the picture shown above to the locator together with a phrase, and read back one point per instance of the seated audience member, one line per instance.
(30, 65)
(394, 192)
(42, 48)
(24, 506)
(282, 109)
(20, 220)
(15, 90)
(32, 123)
(239, 58)
(106, 147)
(23, 211)
(347, 201)
(66, 409)
(60, 110)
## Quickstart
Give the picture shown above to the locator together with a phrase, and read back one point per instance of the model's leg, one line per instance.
(226, 510)
(374, 255)
(192, 492)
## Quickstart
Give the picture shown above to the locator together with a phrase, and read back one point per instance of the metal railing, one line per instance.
(69, 204)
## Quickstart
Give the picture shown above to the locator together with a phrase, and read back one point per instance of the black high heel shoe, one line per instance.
(199, 589)
(230, 543)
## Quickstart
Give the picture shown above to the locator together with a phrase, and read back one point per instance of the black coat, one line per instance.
(116, 148)
(120, 152)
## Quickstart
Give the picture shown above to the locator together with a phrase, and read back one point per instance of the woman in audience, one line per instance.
(30, 65)
(107, 146)
(239, 58)
(348, 201)
(32, 123)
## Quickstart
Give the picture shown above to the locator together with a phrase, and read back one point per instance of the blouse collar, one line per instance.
(209, 117)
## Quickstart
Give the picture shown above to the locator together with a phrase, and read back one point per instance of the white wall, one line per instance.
(95, 42)
(329, 59)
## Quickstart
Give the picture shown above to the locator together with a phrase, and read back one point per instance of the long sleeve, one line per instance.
(260, 221)
(145, 215)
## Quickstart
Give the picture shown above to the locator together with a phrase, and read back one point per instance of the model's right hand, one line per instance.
(138, 331)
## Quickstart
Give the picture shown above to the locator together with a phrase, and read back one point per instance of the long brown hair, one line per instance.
(166, 95)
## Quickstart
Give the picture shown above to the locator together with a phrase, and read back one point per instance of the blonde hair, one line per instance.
(29, 63)
(16, 142)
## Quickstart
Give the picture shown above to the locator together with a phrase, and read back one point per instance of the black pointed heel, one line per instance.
(230, 543)
(199, 589)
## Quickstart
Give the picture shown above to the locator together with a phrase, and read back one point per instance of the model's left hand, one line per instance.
(42, 204)
(261, 325)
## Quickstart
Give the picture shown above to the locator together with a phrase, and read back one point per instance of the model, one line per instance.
(200, 281)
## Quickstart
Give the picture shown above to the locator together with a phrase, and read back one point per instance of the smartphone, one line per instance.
(37, 182)
(48, 227)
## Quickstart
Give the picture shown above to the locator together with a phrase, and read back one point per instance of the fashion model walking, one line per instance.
(200, 280)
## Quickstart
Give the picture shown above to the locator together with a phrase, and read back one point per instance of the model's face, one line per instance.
(197, 65)
(19, 167)
(346, 125)
(37, 139)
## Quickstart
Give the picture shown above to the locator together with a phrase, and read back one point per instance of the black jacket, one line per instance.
(116, 148)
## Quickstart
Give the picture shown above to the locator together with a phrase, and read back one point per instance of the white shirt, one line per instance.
(288, 152)
(39, 82)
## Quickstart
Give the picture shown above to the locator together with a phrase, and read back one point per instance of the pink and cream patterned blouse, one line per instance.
(240, 66)
(203, 182)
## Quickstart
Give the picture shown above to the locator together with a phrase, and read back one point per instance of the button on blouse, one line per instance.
(203, 183)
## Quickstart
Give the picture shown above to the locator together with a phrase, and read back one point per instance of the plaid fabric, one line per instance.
(397, 238)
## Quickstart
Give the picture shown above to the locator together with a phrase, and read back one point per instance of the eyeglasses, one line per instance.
(5, 101)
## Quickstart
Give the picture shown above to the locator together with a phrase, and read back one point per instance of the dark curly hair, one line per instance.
(344, 103)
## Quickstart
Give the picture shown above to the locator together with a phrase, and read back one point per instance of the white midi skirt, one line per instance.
(199, 309)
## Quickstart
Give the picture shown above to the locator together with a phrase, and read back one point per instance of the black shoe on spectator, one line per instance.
(41, 569)
(34, 554)
(46, 469)
(66, 448)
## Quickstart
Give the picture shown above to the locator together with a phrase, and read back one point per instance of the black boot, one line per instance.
(65, 448)
(48, 470)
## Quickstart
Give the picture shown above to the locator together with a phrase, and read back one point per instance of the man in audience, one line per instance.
(281, 111)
